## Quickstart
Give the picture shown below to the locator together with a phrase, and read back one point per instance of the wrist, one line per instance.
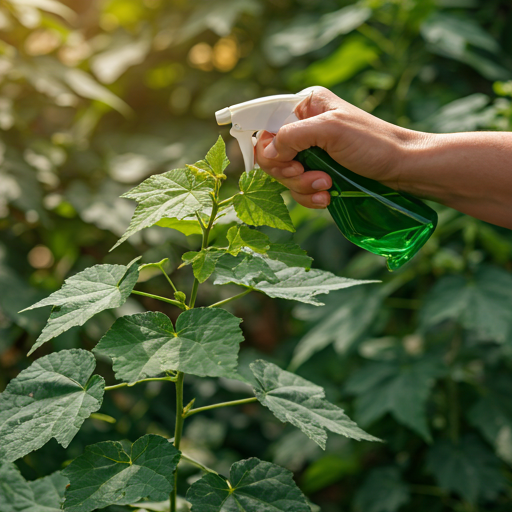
(415, 151)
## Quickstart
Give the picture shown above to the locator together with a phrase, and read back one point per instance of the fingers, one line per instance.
(317, 201)
(294, 137)
(314, 128)
(307, 188)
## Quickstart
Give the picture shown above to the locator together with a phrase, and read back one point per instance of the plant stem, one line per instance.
(222, 404)
(193, 294)
(204, 245)
(124, 384)
(225, 301)
(163, 299)
(452, 387)
(177, 433)
(197, 463)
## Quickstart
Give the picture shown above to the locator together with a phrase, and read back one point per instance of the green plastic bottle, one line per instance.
(375, 217)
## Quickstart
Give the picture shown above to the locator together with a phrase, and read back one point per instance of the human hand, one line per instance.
(357, 140)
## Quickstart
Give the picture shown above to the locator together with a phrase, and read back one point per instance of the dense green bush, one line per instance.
(97, 96)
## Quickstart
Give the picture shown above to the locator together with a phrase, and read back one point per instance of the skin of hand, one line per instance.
(470, 172)
(357, 140)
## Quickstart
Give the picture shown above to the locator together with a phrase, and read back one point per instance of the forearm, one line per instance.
(471, 172)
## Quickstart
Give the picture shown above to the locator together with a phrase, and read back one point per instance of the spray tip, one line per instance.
(223, 116)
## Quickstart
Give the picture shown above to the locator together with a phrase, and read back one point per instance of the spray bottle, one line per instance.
(375, 217)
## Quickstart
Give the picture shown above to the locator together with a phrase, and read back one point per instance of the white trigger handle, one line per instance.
(246, 144)
(268, 113)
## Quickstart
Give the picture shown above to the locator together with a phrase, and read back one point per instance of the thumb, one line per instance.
(318, 101)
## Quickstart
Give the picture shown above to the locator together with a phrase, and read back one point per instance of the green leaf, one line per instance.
(42, 495)
(327, 470)
(254, 486)
(278, 281)
(290, 254)
(492, 415)
(216, 157)
(355, 54)
(481, 304)
(107, 474)
(205, 343)
(203, 262)
(300, 402)
(84, 295)
(244, 269)
(467, 468)
(187, 227)
(341, 326)
(382, 491)
(260, 202)
(401, 389)
(160, 506)
(175, 194)
(242, 236)
(51, 398)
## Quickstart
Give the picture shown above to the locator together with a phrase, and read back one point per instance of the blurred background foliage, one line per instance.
(96, 95)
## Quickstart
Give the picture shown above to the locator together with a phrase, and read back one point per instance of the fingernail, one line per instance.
(290, 172)
(319, 199)
(270, 151)
(320, 184)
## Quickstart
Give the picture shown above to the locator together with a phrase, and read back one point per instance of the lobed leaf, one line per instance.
(187, 227)
(481, 304)
(382, 491)
(492, 415)
(276, 280)
(84, 295)
(176, 194)
(300, 402)
(355, 312)
(290, 254)
(401, 389)
(260, 203)
(243, 236)
(254, 486)
(17, 495)
(205, 343)
(217, 158)
(107, 474)
(203, 262)
(51, 398)
(467, 468)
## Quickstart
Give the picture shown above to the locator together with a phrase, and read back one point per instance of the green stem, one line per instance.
(225, 301)
(177, 433)
(130, 384)
(168, 278)
(204, 245)
(163, 299)
(193, 294)
(222, 404)
(226, 202)
(198, 464)
(453, 389)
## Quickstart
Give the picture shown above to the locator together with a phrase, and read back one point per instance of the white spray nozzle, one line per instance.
(268, 113)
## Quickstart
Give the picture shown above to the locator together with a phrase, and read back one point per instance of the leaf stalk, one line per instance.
(198, 464)
(235, 297)
(221, 404)
(131, 384)
(163, 299)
